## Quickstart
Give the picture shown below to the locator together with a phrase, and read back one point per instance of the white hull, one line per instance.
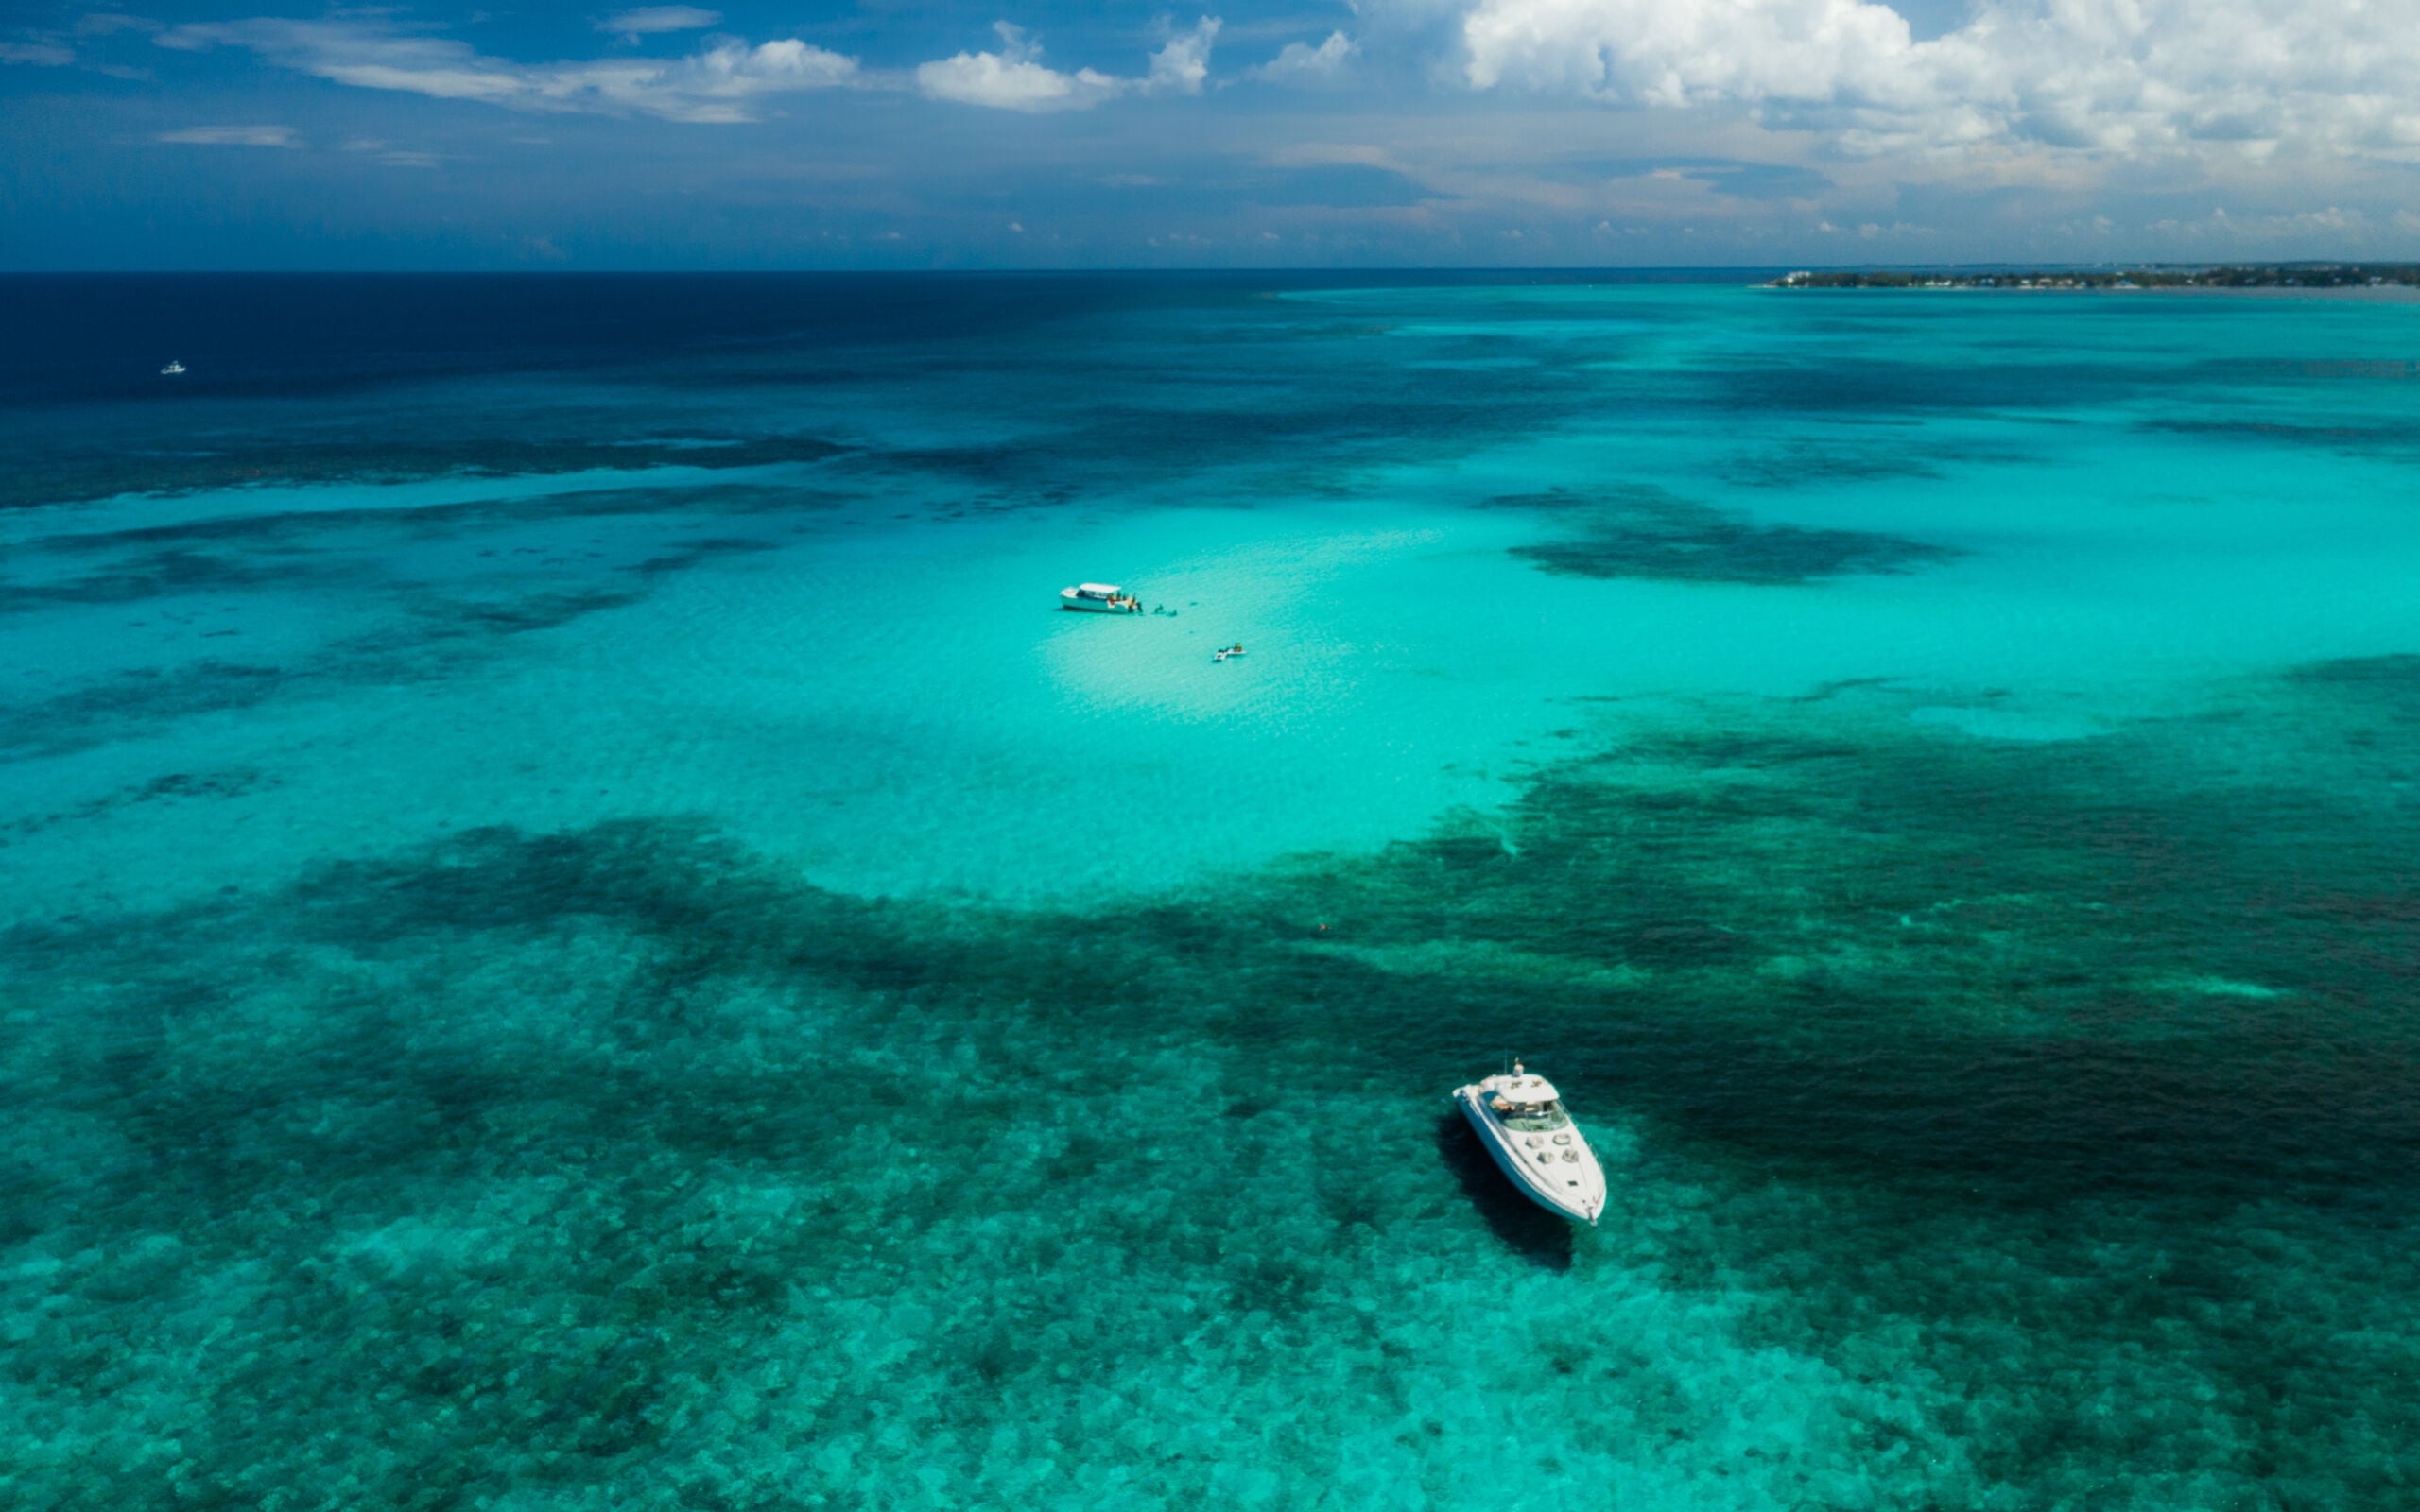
(1556, 1170)
(1099, 598)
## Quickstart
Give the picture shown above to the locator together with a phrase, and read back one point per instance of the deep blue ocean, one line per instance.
(577, 930)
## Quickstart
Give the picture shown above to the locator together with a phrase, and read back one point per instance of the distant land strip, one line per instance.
(2232, 276)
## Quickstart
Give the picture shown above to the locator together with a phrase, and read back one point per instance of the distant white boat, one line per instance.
(1520, 1119)
(1099, 598)
(172, 369)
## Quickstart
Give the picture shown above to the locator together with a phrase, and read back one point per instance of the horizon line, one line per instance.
(1306, 269)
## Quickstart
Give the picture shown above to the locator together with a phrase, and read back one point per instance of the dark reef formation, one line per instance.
(240, 461)
(1644, 532)
(2057, 1107)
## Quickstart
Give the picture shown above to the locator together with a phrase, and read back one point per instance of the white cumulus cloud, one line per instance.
(1679, 52)
(231, 136)
(715, 85)
(105, 23)
(2138, 77)
(40, 54)
(1012, 79)
(1009, 79)
(1180, 67)
(1298, 62)
(648, 21)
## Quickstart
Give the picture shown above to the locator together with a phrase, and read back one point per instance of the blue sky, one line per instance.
(1032, 134)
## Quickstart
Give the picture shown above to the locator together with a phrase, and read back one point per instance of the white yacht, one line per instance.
(172, 369)
(1520, 1119)
(1101, 599)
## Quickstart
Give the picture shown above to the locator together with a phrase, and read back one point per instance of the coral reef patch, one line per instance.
(1645, 532)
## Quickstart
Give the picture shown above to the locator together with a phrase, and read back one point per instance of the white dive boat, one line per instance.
(172, 369)
(1521, 1120)
(1101, 599)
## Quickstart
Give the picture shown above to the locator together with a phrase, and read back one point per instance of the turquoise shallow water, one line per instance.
(578, 931)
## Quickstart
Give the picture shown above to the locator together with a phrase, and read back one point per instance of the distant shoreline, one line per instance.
(2393, 281)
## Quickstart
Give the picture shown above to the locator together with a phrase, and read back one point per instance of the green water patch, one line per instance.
(1803, 463)
(315, 523)
(2392, 438)
(2390, 682)
(176, 571)
(213, 462)
(423, 635)
(623, 1163)
(1171, 442)
(141, 700)
(1022, 473)
(1644, 531)
(235, 611)
(1960, 379)
(362, 548)
(168, 789)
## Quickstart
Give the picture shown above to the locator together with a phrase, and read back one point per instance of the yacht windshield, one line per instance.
(1535, 1118)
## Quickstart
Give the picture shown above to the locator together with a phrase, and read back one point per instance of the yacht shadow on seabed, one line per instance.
(1525, 1227)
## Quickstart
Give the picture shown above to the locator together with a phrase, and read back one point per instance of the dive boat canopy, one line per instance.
(1101, 599)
